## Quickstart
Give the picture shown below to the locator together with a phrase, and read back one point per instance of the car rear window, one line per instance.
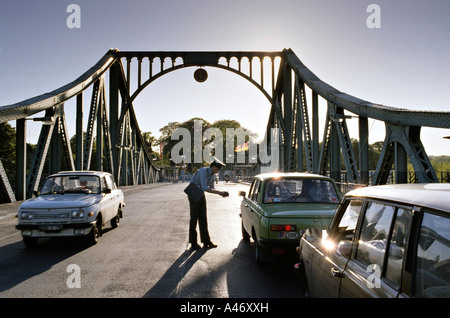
(289, 190)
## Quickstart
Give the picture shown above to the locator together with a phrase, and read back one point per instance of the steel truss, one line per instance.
(120, 148)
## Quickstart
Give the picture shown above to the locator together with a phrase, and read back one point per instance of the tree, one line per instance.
(8, 148)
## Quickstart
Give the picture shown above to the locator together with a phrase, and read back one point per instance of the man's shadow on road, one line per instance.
(168, 284)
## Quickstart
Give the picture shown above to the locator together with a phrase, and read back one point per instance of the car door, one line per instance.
(115, 193)
(333, 252)
(431, 276)
(249, 207)
(376, 266)
(245, 209)
(107, 202)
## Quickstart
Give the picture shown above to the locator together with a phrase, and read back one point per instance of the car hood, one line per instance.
(61, 201)
(300, 210)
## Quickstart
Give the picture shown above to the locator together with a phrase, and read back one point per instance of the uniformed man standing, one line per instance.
(204, 179)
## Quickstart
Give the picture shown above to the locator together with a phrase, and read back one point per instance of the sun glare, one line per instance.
(328, 244)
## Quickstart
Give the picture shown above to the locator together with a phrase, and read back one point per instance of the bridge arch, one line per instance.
(205, 59)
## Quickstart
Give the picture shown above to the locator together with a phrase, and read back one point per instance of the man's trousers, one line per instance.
(198, 213)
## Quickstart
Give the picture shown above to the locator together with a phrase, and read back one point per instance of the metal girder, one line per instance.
(46, 101)
(21, 159)
(5, 185)
(40, 154)
(402, 142)
(97, 91)
(324, 150)
(336, 127)
(388, 114)
(106, 135)
(303, 114)
(65, 140)
(122, 148)
(338, 118)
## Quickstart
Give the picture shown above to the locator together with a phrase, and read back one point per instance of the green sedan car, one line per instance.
(280, 206)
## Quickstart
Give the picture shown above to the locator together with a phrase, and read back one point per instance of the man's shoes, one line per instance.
(195, 246)
(209, 245)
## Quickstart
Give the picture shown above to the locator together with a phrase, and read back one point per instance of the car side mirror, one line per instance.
(107, 190)
(242, 193)
(345, 248)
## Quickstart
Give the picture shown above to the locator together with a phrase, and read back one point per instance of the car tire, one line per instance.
(94, 234)
(301, 273)
(30, 241)
(115, 220)
(260, 254)
(245, 235)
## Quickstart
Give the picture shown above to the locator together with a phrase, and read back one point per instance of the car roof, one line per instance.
(432, 195)
(80, 172)
(268, 175)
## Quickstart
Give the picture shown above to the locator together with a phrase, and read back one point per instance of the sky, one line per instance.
(404, 62)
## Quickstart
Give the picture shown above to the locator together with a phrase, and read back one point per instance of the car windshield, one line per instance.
(71, 184)
(290, 190)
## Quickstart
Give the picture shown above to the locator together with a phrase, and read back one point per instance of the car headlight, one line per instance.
(77, 214)
(26, 215)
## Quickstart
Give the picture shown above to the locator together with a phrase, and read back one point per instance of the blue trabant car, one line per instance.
(74, 203)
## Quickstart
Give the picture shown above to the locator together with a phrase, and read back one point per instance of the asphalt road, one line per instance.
(147, 255)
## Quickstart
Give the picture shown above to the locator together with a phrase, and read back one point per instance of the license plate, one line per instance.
(287, 235)
(51, 228)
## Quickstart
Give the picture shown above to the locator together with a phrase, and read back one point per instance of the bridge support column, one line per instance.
(335, 155)
(21, 155)
(114, 117)
(315, 131)
(79, 133)
(400, 163)
(363, 150)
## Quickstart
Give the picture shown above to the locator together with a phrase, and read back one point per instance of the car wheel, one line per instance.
(30, 241)
(260, 253)
(94, 235)
(245, 235)
(301, 273)
(115, 220)
(306, 292)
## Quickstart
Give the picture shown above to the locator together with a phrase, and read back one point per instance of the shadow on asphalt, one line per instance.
(167, 286)
(244, 277)
(19, 263)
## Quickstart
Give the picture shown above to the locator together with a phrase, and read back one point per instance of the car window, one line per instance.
(305, 190)
(109, 182)
(432, 277)
(374, 234)
(252, 187)
(344, 233)
(397, 244)
(254, 196)
(71, 184)
(113, 184)
(104, 184)
(350, 216)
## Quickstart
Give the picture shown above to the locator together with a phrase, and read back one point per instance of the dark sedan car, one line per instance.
(384, 241)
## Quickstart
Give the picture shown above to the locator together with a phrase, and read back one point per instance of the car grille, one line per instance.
(52, 216)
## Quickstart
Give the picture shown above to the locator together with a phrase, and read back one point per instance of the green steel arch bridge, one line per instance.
(113, 122)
